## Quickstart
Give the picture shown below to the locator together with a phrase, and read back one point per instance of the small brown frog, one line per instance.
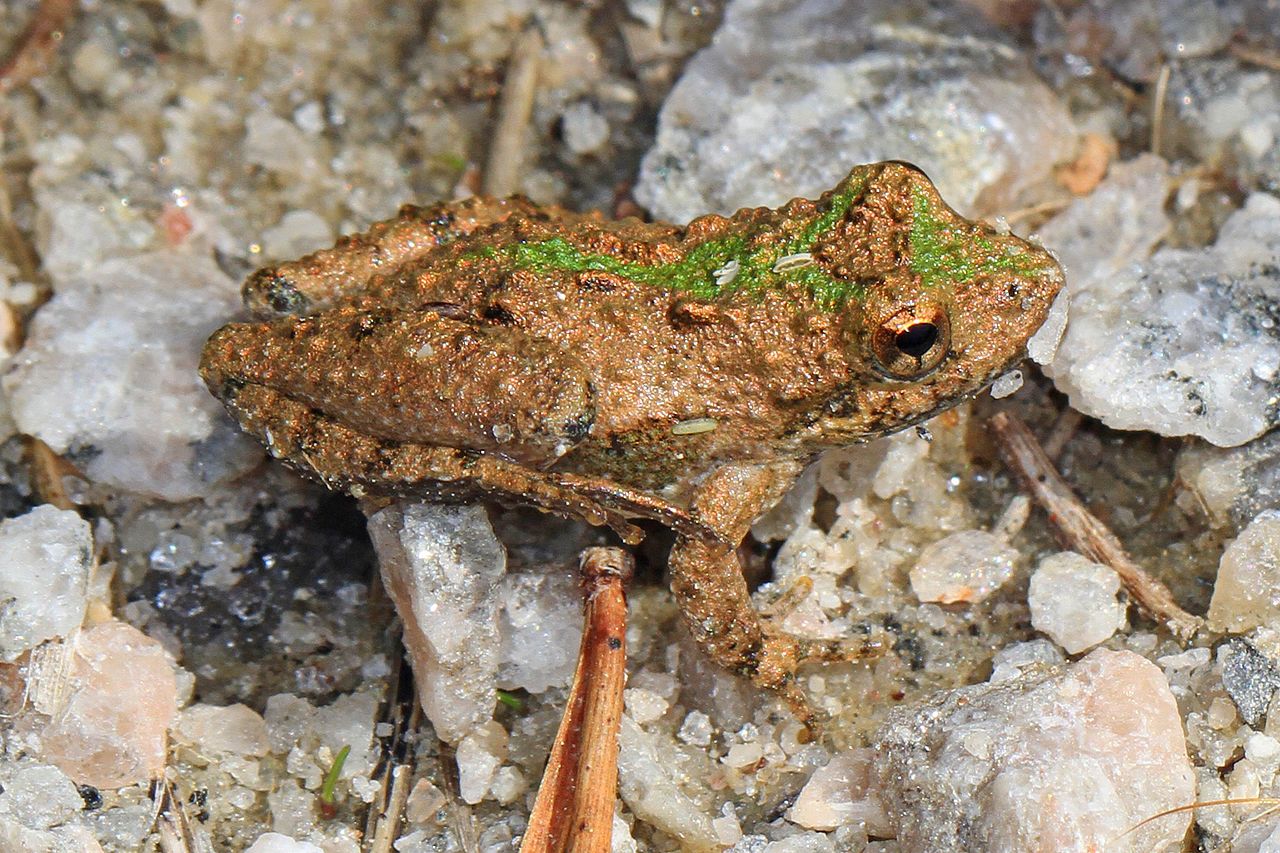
(619, 369)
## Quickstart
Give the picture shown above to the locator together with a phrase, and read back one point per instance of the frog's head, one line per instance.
(942, 305)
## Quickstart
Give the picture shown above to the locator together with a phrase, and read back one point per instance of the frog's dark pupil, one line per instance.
(917, 340)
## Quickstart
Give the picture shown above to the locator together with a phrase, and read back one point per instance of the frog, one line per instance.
(621, 370)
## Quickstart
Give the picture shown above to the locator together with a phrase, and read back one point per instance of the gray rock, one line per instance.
(791, 94)
(1249, 677)
(442, 566)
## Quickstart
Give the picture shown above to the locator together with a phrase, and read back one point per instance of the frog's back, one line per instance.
(682, 380)
(767, 334)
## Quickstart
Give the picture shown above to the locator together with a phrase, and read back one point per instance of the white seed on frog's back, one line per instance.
(787, 263)
(694, 426)
(502, 433)
(727, 273)
(425, 351)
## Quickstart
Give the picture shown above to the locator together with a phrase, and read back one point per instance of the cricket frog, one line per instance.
(497, 349)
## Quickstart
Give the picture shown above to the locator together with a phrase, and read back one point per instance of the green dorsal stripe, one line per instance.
(942, 254)
(716, 267)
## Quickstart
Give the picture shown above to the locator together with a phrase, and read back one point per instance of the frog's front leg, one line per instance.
(707, 581)
(358, 261)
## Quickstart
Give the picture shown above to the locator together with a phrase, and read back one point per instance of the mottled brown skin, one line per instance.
(418, 359)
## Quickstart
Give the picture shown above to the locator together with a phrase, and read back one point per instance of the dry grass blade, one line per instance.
(574, 809)
(175, 830)
(387, 823)
(506, 154)
(1158, 108)
(460, 818)
(1079, 529)
(1204, 804)
(403, 712)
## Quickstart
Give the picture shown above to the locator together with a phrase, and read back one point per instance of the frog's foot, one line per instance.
(781, 655)
(707, 582)
(637, 504)
(814, 650)
(361, 262)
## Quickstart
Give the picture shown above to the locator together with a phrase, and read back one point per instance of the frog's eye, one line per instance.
(912, 342)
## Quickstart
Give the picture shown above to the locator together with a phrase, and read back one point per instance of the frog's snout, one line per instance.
(223, 359)
(270, 293)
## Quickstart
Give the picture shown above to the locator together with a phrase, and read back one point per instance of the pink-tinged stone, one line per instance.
(232, 729)
(962, 568)
(111, 733)
(830, 798)
(1072, 760)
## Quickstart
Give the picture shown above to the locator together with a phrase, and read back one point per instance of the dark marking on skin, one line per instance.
(366, 323)
(595, 283)
(614, 643)
(447, 310)
(686, 314)
(498, 314)
(579, 427)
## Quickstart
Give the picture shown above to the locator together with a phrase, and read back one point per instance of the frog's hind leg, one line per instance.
(344, 459)
(357, 261)
(707, 581)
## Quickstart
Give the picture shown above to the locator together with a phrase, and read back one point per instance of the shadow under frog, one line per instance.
(497, 349)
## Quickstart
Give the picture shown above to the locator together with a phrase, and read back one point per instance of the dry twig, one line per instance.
(1064, 429)
(1079, 529)
(574, 809)
(506, 155)
(35, 44)
(47, 472)
(1255, 56)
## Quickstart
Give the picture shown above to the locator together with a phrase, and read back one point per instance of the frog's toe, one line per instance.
(842, 649)
(774, 666)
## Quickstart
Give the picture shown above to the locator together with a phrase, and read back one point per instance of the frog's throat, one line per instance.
(941, 254)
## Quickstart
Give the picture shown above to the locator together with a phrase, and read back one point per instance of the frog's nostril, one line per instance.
(270, 287)
(230, 387)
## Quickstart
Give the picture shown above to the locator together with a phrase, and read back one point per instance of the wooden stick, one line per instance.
(573, 812)
(1080, 530)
